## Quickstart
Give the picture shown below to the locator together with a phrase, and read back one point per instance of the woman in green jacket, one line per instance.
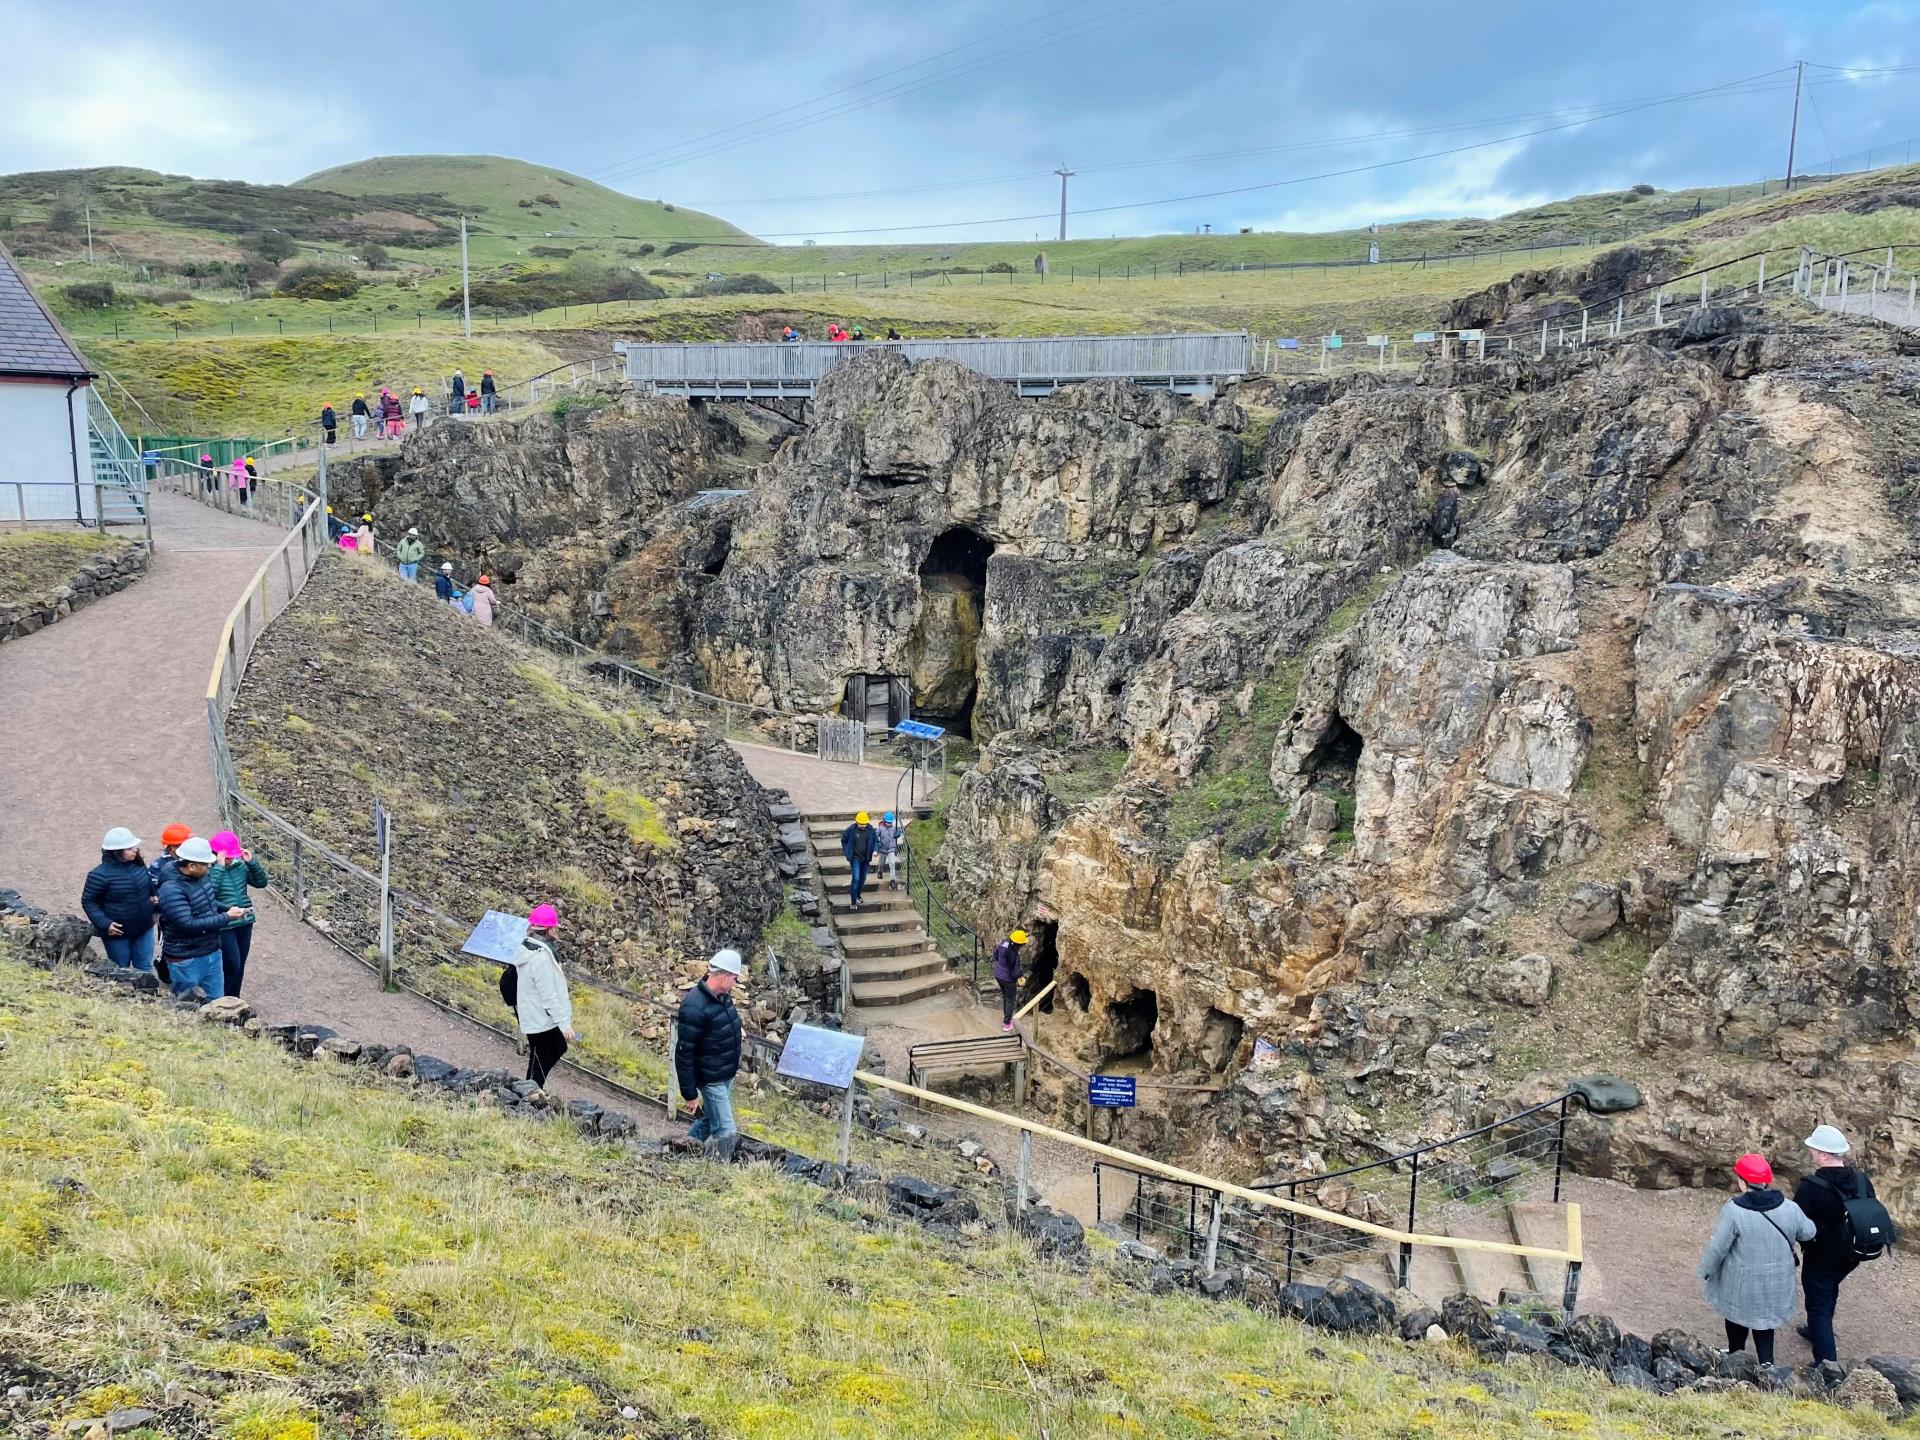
(235, 871)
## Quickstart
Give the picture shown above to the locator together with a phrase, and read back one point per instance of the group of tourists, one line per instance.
(386, 416)
(192, 899)
(706, 1053)
(838, 333)
(863, 843)
(1833, 1224)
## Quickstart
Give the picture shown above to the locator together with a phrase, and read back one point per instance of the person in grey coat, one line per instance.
(1747, 1274)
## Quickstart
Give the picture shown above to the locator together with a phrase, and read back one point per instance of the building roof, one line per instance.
(32, 342)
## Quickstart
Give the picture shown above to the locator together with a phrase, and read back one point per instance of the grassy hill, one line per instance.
(263, 1248)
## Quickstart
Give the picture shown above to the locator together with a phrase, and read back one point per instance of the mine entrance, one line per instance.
(1079, 992)
(946, 637)
(1046, 962)
(1129, 1038)
(1336, 759)
(879, 700)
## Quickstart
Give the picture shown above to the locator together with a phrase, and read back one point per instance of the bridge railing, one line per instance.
(1061, 358)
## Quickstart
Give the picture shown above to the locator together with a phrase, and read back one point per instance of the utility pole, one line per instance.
(466, 306)
(89, 234)
(1063, 173)
(1793, 135)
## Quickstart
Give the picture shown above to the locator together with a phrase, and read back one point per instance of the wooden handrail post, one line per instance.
(845, 1152)
(1213, 1233)
(673, 1078)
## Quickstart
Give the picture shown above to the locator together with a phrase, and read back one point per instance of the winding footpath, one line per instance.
(106, 724)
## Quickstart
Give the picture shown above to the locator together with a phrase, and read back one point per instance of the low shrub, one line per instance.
(1000, 267)
(319, 282)
(89, 295)
(748, 284)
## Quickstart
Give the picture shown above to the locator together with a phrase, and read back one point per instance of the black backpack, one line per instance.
(1869, 1229)
(510, 986)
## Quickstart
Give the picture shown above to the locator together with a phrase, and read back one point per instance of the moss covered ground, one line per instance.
(263, 1248)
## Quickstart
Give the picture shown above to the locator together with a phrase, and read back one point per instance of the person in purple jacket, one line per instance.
(1006, 970)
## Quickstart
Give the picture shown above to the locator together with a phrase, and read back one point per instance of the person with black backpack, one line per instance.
(1850, 1225)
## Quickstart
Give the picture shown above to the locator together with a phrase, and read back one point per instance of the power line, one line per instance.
(1133, 10)
(844, 89)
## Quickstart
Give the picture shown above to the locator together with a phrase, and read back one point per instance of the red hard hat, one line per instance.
(1754, 1169)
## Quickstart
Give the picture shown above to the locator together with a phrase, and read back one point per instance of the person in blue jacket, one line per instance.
(443, 587)
(118, 899)
(194, 921)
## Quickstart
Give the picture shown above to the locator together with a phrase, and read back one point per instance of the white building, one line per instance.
(57, 440)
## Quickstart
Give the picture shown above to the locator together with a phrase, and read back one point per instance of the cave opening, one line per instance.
(1335, 761)
(1220, 1038)
(1130, 1023)
(1045, 964)
(719, 547)
(1079, 992)
(946, 635)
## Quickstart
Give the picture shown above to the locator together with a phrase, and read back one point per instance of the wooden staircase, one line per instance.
(1439, 1272)
(889, 956)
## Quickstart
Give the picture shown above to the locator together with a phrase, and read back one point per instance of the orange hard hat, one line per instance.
(484, 580)
(175, 834)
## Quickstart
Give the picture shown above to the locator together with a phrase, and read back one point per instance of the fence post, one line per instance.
(1213, 1235)
(1559, 1149)
(1703, 292)
(1293, 1225)
(1543, 339)
(1026, 1164)
(386, 909)
(846, 986)
(1583, 327)
(1571, 1296)
(673, 1080)
(299, 877)
(845, 1151)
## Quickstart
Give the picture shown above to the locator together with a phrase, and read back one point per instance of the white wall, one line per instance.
(36, 444)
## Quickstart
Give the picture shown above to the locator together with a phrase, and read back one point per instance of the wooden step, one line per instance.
(1543, 1224)
(882, 901)
(884, 942)
(900, 992)
(870, 918)
(896, 967)
(1488, 1274)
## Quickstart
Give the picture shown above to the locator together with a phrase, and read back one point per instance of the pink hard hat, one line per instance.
(544, 917)
(225, 842)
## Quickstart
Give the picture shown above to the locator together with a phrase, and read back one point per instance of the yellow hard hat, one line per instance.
(359, 394)
(1019, 937)
(366, 517)
(248, 460)
(329, 509)
(861, 818)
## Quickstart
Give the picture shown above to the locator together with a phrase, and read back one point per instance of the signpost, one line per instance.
(925, 736)
(826, 1057)
(1111, 1092)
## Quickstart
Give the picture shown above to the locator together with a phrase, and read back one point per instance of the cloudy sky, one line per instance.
(906, 121)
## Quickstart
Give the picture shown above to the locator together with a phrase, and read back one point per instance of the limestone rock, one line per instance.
(1591, 910)
(1865, 1388)
(229, 1010)
(1512, 980)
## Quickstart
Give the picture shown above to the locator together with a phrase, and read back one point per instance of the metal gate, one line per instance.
(842, 739)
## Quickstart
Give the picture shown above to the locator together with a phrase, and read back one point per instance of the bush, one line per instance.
(677, 247)
(550, 252)
(376, 257)
(524, 204)
(583, 282)
(1643, 189)
(547, 199)
(92, 295)
(319, 282)
(637, 253)
(1000, 267)
(748, 284)
(63, 219)
(273, 246)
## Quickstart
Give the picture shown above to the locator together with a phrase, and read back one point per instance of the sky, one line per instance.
(859, 121)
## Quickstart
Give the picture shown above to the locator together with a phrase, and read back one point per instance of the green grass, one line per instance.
(634, 812)
(33, 562)
(421, 1270)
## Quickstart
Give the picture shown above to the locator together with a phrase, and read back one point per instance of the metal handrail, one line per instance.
(935, 911)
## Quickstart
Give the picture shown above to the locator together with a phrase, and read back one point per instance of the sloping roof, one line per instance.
(31, 340)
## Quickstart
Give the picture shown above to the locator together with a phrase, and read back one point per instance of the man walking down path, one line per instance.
(1828, 1194)
(857, 843)
(194, 921)
(707, 1054)
(361, 415)
(409, 553)
(489, 395)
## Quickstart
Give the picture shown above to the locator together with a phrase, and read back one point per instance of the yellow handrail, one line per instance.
(257, 583)
(1189, 1177)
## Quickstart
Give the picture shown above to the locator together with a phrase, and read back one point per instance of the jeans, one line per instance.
(859, 879)
(1008, 990)
(487, 399)
(1762, 1341)
(409, 569)
(715, 1120)
(543, 1053)
(235, 945)
(207, 973)
(1822, 1288)
(130, 951)
(360, 427)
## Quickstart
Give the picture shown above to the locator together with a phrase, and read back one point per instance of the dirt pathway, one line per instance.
(106, 725)
(829, 786)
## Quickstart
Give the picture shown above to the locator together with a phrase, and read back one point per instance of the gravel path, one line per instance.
(106, 725)
(829, 786)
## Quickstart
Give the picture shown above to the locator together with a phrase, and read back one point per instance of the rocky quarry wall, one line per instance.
(1472, 730)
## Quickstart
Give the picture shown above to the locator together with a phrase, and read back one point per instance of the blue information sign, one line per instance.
(920, 730)
(1288, 344)
(1114, 1092)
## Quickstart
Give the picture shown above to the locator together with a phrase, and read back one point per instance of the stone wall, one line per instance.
(107, 573)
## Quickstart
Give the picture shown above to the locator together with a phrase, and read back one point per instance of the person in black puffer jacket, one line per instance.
(1829, 1256)
(706, 1056)
(194, 921)
(118, 899)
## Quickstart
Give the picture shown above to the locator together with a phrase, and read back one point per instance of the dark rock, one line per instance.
(784, 814)
(1462, 468)
(802, 1167)
(310, 1038)
(131, 1418)
(432, 1070)
(1632, 1377)
(1902, 1373)
(617, 1124)
(1671, 1373)
(1606, 1094)
(909, 1193)
(1220, 1284)
(1739, 1365)
(1695, 1354)
(1415, 1323)
(67, 1185)
(1299, 1299)
(1353, 1307)
(1466, 1317)
(1635, 1351)
(1596, 1337)
(1591, 910)
(748, 1150)
(60, 940)
(1138, 1252)
(830, 1176)
(585, 1114)
(1518, 1334)
(282, 1033)
(1055, 1236)
(523, 1088)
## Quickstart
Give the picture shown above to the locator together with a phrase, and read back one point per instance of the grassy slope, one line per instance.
(34, 561)
(448, 1273)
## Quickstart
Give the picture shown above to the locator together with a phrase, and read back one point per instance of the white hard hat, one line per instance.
(196, 850)
(120, 838)
(447, 568)
(1826, 1138)
(412, 530)
(728, 961)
